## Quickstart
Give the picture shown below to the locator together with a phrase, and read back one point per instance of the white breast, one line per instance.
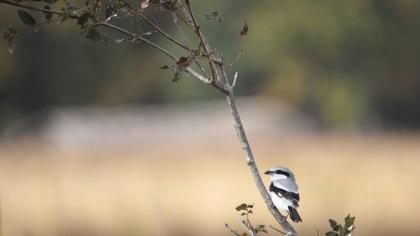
(280, 202)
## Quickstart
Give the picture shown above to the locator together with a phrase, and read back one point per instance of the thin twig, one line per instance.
(235, 77)
(247, 227)
(316, 230)
(160, 30)
(277, 230)
(137, 37)
(204, 43)
(190, 70)
(202, 69)
(186, 22)
(181, 31)
(197, 30)
(237, 57)
(248, 222)
(232, 230)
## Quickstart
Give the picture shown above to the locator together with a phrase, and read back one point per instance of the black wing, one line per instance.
(291, 196)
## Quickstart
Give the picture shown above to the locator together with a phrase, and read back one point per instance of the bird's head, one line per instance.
(277, 173)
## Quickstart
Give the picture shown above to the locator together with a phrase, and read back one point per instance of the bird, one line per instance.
(284, 191)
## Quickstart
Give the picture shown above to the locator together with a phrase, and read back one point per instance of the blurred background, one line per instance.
(95, 139)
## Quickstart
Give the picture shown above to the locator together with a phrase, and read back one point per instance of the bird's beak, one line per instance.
(269, 172)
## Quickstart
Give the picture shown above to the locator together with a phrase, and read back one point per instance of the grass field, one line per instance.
(191, 187)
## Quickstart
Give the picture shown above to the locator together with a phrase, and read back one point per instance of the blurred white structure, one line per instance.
(145, 125)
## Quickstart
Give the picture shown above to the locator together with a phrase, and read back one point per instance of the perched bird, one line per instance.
(284, 191)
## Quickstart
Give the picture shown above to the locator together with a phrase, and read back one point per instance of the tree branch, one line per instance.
(190, 70)
(216, 74)
(240, 131)
(218, 66)
(253, 167)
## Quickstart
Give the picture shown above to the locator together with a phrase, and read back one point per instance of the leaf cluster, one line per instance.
(245, 211)
(340, 230)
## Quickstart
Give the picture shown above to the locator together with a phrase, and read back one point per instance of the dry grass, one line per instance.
(191, 187)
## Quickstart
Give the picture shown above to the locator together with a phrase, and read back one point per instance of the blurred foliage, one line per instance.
(344, 63)
(245, 211)
(340, 230)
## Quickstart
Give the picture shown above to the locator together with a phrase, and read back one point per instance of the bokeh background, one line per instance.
(97, 140)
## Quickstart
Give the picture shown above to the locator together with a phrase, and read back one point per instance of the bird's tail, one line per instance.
(294, 215)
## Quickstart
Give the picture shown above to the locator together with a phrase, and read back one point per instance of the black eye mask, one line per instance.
(282, 172)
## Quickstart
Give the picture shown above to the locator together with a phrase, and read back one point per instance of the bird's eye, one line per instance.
(282, 172)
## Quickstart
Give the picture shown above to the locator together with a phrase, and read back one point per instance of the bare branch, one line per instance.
(217, 65)
(253, 167)
(240, 131)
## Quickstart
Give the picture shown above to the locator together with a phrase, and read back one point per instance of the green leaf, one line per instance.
(26, 18)
(333, 224)
(93, 35)
(349, 221)
(242, 207)
(260, 228)
(48, 15)
(50, 1)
